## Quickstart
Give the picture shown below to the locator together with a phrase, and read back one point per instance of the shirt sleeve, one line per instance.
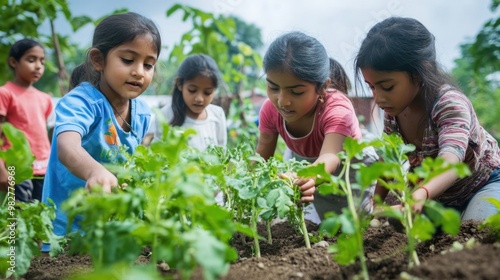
(164, 115)
(74, 113)
(222, 133)
(452, 116)
(339, 119)
(48, 112)
(268, 118)
(5, 100)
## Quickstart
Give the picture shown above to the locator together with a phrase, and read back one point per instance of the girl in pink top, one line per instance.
(27, 109)
(312, 119)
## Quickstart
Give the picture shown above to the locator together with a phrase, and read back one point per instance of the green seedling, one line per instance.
(351, 223)
(23, 225)
(296, 214)
(165, 206)
(493, 221)
(391, 174)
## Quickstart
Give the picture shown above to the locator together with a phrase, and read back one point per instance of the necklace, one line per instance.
(119, 115)
(124, 121)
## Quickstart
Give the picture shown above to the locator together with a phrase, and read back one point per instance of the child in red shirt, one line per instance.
(27, 109)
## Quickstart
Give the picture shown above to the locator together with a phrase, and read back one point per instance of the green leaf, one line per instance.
(345, 250)
(331, 225)
(18, 158)
(80, 21)
(173, 9)
(313, 171)
(208, 251)
(447, 218)
(422, 229)
(353, 147)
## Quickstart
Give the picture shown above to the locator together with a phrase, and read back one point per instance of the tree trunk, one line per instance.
(237, 95)
(62, 75)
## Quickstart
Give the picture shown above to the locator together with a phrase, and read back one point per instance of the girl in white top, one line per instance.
(197, 79)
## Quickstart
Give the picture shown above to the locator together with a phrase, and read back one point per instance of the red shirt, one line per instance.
(335, 115)
(28, 109)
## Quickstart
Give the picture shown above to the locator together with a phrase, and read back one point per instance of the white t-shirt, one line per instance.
(210, 131)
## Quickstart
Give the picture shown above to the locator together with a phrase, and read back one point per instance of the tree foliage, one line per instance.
(477, 72)
(215, 36)
(486, 48)
(23, 18)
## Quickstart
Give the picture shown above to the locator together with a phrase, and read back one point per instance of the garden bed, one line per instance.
(287, 258)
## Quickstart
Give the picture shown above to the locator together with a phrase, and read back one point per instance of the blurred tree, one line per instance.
(481, 88)
(210, 35)
(477, 72)
(485, 50)
(249, 34)
(22, 18)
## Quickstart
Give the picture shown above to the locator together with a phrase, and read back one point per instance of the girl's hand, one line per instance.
(307, 186)
(420, 196)
(102, 177)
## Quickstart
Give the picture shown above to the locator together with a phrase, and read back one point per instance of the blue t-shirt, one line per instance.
(87, 111)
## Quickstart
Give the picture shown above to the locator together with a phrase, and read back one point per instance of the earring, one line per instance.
(322, 98)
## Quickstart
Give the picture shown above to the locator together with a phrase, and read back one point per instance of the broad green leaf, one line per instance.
(208, 251)
(422, 228)
(18, 157)
(345, 250)
(331, 225)
(346, 220)
(447, 218)
(353, 148)
(368, 174)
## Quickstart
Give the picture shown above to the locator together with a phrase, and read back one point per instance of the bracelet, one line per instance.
(426, 191)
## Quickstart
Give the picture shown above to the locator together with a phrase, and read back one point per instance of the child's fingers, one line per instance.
(306, 199)
(287, 175)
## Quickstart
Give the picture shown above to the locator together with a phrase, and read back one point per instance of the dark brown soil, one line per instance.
(287, 258)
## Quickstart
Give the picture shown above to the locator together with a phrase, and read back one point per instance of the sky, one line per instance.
(339, 25)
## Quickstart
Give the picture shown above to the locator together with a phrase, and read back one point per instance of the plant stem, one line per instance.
(303, 227)
(412, 254)
(357, 223)
(255, 218)
(269, 235)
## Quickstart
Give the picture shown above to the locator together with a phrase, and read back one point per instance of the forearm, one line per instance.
(330, 160)
(266, 145)
(77, 160)
(439, 184)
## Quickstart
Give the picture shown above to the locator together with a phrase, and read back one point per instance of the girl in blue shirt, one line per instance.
(102, 112)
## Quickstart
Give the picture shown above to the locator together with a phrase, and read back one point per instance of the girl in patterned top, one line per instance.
(398, 62)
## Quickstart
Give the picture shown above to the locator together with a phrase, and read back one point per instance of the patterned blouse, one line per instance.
(455, 129)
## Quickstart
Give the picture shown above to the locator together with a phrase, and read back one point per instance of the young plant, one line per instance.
(351, 223)
(107, 222)
(23, 225)
(493, 221)
(182, 224)
(392, 175)
(296, 214)
(165, 206)
(251, 188)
